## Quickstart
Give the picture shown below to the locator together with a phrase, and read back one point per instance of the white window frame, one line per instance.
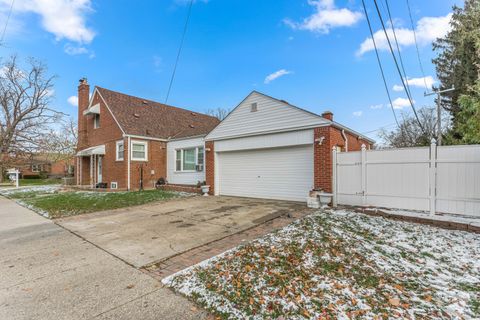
(196, 159)
(145, 143)
(38, 168)
(96, 123)
(117, 148)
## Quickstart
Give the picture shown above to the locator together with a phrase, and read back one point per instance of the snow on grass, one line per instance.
(46, 189)
(342, 265)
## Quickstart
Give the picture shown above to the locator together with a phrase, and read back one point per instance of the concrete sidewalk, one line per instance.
(46, 272)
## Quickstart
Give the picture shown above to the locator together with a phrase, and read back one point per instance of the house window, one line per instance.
(190, 159)
(120, 150)
(178, 160)
(96, 121)
(139, 151)
(36, 167)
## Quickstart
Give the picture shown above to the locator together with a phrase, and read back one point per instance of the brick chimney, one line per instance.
(328, 115)
(83, 101)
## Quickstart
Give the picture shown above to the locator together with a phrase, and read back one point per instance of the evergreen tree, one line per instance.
(458, 64)
(469, 116)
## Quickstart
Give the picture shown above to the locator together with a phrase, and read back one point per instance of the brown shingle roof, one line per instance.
(144, 117)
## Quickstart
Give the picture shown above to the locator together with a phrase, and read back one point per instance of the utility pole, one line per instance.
(439, 111)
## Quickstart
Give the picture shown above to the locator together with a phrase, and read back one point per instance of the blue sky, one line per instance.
(314, 54)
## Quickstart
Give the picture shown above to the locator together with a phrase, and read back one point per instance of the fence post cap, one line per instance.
(433, 141)
(364, 146)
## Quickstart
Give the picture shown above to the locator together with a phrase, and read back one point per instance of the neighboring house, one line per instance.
(265, 147)
(51, 166)
(123, 141)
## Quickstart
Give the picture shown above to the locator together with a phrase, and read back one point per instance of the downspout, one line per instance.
(345, 139)
(128, 163)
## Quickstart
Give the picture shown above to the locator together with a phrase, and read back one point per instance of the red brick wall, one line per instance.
(85, 174)
(108, 130)
(108, 134)
(114, 170)
(210, 165)
(60, 168)
(83, 101)
(323, 153)
(157, 161)
(322, 159)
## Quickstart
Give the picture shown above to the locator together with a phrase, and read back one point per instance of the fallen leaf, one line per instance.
(394, 302)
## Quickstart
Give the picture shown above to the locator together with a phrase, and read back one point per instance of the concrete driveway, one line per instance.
(151, 233)
(46, 272)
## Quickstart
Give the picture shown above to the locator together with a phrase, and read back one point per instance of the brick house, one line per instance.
(122, 140)
(264, 148)
(48, 165)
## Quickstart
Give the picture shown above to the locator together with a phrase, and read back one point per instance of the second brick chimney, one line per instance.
(328, 115)
(83, 101)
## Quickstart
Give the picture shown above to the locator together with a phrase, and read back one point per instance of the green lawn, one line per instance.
(39, 182)
(63, 204)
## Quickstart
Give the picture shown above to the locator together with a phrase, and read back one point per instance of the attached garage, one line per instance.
(278, 173)
(268, 148)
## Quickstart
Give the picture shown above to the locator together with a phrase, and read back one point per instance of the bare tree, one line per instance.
(219, 113)
(25, 113)
(59, 143)
(410, 134)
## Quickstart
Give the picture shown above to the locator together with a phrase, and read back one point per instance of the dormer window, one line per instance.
(96, 121)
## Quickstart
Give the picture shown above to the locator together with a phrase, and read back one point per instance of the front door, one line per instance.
(99, 169)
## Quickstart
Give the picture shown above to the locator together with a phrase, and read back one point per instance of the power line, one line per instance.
(380, 63)
(179, 50)
(380, 128)
(398, 47)
(416, 45)
(396, 64)
(6, 23)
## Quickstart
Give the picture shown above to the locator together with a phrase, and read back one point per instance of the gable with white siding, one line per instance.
(271, 116)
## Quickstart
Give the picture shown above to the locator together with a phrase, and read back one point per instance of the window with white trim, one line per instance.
(120, 150)
(96, 121)
(189, 159)
(139, 151)
(36, 167)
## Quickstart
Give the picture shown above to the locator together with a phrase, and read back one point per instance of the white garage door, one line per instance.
(282, 173)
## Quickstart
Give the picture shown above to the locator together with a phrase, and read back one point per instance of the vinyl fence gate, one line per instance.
(444, 179)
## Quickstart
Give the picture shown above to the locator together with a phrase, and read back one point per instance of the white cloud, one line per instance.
(401, 103)
(64, 18)
(326, 17)
(417, 82)
(77, 50)
(276, 75)
(376, 106)
(358, 113)
(428, 29)
(73, 100)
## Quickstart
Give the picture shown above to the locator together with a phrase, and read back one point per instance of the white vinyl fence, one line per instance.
(442, 179)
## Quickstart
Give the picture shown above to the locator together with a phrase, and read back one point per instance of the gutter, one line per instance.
(345, 139)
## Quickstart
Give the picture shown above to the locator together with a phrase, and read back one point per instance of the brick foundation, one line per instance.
(180, 188)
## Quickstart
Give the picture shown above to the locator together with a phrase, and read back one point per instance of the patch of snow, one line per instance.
(40, 189)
